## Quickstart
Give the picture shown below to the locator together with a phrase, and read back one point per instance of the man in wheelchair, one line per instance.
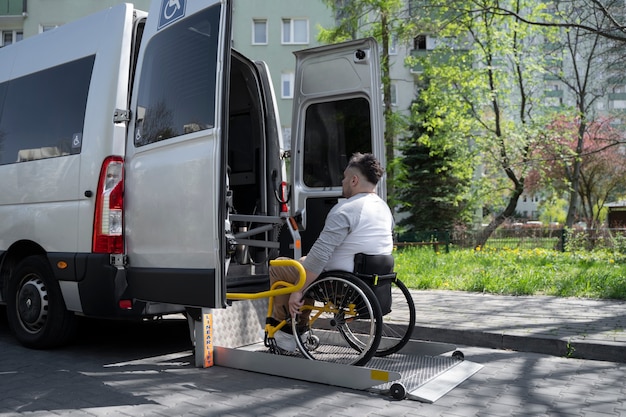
(362, 223)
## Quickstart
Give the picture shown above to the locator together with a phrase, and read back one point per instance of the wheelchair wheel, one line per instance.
(344, 321)
(396, 330)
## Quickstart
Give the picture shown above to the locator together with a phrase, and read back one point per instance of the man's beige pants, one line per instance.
(291, 275)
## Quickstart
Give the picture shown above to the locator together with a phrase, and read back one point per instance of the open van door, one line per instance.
(337, 111)
(175, 175)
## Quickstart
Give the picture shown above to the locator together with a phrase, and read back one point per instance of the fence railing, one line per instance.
(523, 238)
(438, 239)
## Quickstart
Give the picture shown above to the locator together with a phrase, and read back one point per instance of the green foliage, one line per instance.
(433, 179)
(362, 18)
(483, 76)
(597, 274)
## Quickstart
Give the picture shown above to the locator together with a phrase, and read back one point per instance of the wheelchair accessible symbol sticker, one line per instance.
(171, 11)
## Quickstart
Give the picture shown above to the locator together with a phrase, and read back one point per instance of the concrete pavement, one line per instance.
(567, 327)
(121, 369)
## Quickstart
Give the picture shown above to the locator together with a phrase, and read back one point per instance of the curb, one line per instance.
(531, 344)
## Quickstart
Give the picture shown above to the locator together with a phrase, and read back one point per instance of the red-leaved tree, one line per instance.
(601, 161)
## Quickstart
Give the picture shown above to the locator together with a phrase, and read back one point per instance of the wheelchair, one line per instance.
(346, 316)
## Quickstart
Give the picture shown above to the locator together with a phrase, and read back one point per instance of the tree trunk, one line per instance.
(575, 181)
(388, 110)
(483, 235)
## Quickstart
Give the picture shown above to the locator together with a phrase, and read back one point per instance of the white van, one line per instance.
(142, 167)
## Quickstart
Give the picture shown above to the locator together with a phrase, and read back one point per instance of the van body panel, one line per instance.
(333, 117)
(174, 180)
(40, 211)
(42, 198)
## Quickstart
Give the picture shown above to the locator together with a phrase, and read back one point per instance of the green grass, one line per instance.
(598, 274)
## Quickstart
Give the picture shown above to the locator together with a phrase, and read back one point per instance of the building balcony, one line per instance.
(12, 8)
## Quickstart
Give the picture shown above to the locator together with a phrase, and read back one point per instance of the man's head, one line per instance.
(361, 175)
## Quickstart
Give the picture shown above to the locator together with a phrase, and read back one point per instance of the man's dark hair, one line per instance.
(368, 165)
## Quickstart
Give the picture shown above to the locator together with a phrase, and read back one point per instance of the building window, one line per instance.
(259, 32)
(286, 85)
(394, 95)
(419, 42)
(11, 36)
(7, 38)
(393, 45)
(45, 28)
(295, 31)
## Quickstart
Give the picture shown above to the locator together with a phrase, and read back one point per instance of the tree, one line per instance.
(598, 158)
(433, 180)
(490, 71)
(608, 21)
(580, 64)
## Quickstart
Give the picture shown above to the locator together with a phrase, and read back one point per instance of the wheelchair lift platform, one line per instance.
(421, 371)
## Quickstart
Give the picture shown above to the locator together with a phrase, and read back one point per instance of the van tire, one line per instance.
(35, 308)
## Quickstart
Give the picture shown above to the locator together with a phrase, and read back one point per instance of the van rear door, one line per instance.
(337, 112)
(174, 170)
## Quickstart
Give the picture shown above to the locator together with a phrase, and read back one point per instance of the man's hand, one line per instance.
(295, 302)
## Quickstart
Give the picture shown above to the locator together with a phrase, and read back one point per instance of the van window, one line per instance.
(43, 113)
(333, 132)
(178, 78)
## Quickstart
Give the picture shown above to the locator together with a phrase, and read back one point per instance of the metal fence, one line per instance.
(521, 237)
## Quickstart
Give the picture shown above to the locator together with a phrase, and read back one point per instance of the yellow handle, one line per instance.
(286, 287)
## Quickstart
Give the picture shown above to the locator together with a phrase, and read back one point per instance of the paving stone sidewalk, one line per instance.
(567, 327)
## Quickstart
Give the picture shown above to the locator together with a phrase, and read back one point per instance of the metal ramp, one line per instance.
(422, 371)
(423, 378)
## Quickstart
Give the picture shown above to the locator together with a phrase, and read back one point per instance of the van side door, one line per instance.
(175, 159)
(337, 111)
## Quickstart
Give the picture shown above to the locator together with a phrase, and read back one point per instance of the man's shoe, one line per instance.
(285, 341)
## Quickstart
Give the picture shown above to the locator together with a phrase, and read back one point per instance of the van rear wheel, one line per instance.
(35, 308)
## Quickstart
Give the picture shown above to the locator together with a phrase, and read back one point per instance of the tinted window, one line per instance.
(177, 87)
(43, 113)
(334, 131)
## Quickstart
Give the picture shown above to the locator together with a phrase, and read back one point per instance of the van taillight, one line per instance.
(108, 224)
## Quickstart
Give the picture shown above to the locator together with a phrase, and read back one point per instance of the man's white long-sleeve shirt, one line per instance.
(362, 223)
